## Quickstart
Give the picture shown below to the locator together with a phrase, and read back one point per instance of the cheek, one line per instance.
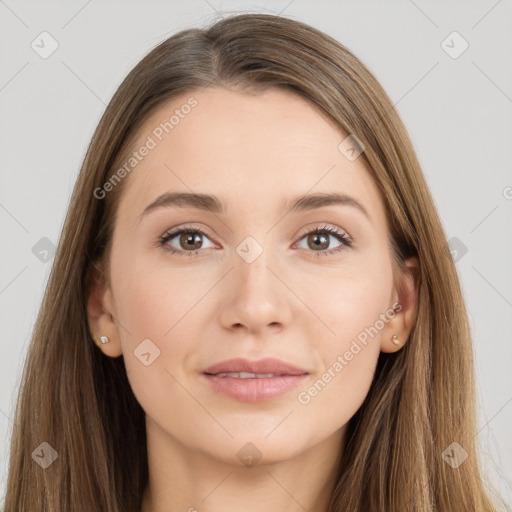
(153, 299)
(165, 305)
(351, 301)
(155, 317)
(345, 365)
(353, 307)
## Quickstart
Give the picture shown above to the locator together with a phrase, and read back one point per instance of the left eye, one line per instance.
(320, 238)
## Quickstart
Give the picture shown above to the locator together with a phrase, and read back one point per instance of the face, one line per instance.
(254, 279)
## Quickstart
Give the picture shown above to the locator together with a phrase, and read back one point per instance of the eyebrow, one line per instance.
(213, 204)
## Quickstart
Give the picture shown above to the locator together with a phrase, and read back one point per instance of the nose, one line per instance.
(256, 297)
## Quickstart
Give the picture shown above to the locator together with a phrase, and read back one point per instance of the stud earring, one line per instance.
(395, 340)
(101, 341)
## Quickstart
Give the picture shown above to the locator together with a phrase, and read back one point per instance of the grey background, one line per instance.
(458, 112)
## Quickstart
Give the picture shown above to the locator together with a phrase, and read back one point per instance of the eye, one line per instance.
(320, 239)
(189, 239)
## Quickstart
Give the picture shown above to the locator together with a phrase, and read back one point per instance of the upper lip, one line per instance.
(266, 365)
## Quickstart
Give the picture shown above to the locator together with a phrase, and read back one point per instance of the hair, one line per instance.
(422, 397)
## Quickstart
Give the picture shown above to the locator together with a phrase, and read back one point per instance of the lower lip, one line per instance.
(255, 390)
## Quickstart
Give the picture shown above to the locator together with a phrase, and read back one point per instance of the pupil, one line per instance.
(189, 239)
(316, 237)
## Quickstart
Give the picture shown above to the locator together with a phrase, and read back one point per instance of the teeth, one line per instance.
(247, 375)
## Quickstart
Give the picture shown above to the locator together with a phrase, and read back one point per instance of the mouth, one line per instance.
(247, 375)
(254, 381)
(246, 367)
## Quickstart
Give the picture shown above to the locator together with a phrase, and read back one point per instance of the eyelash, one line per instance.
(340, 235)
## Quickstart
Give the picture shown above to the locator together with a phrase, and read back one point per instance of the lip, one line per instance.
(254, 389)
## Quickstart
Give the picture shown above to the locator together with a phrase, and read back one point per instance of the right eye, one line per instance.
(189, 238)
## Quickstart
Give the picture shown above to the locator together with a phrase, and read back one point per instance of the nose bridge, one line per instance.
(253, 260)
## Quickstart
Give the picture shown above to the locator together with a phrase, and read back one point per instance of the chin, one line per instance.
(252, 450)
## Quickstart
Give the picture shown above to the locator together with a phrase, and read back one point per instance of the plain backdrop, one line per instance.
(453, 92)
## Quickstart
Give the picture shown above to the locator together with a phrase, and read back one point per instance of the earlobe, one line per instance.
(396, 332)
(102, 325)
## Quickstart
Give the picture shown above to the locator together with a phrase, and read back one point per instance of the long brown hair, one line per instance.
(422, 398)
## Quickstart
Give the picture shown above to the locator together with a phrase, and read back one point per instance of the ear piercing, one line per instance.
(395, 340)
(101, 341)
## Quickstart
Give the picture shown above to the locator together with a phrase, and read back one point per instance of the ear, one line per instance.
(406, 302)
(101, 313)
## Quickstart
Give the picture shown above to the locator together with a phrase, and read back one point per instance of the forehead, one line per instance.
(253, 149)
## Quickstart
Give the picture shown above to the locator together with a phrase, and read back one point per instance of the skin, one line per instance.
(255, 151)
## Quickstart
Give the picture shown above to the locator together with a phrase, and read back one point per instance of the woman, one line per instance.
(254, 372)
